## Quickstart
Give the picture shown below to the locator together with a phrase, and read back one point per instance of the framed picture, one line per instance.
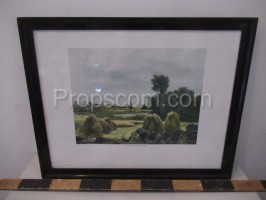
(137, 97)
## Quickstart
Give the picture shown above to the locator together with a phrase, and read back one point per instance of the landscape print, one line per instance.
(136, 96)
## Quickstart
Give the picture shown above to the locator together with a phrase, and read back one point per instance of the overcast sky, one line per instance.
(130, 70)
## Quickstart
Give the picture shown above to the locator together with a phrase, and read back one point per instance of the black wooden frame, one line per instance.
(247, 26)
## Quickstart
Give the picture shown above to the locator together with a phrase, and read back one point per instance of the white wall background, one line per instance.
(17, 142)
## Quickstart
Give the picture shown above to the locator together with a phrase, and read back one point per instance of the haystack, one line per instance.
(106, 128)
(153, 124)
(172, 122)
(91, 127)
(112, 124)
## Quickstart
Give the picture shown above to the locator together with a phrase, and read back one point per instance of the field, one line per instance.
(127, 124)
(125, 120)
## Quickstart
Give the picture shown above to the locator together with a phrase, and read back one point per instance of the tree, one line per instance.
(130, 106)
(187, 109)
(186, 96)
(160, 83)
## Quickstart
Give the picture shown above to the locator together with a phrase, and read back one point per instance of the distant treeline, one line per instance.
(183, 101)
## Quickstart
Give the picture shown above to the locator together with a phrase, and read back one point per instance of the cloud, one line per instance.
(130, 70)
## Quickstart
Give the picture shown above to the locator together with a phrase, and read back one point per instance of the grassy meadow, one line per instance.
(127, 122)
